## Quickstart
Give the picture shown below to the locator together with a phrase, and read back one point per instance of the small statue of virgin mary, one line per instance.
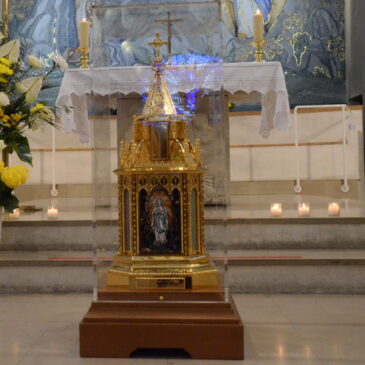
(160, 222)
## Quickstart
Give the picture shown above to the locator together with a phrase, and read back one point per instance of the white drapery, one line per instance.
(265, 78)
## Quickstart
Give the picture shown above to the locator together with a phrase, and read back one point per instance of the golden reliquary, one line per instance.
(161, 202)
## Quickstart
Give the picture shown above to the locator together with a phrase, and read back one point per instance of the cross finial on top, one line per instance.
(157, 44)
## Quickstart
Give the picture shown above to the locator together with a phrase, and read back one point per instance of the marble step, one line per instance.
(249, 271)
(235, 233)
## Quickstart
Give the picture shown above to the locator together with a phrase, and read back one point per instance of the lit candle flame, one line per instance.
(258, 12)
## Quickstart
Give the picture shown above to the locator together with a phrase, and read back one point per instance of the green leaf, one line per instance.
(8, 149)
(20, 145)
(10, 203)
(7, 199)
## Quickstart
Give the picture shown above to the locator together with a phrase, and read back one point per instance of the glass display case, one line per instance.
(160, 170)
(158, 135)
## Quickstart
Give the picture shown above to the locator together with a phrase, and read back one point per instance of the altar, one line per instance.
(265, 78)
(123, 89)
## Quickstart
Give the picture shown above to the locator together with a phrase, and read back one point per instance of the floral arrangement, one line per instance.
(20, 83)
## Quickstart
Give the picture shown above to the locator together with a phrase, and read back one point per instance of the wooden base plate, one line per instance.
(205, 330)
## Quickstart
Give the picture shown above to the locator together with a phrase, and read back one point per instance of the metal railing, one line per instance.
(345, 186)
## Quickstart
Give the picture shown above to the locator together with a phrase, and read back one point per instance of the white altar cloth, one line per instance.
(266, 78)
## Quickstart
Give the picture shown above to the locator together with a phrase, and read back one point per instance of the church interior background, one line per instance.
(283, 211)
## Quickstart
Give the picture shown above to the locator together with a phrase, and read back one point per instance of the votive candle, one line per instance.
(276, 210)
(304, 209)
(334, 209)
(52, 213)
(258, 27)
(84, 33)
(15, 214)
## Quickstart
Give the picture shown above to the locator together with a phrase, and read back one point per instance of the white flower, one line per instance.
(36, 124)
(31, 87)
(15, 52)
(4, 100)
(2, 145)
(20, 87)
(11, 49)
(61, 62)
(34, 62)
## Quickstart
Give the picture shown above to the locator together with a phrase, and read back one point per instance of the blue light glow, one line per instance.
(194, 58)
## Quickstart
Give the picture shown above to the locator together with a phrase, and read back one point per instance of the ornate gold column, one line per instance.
(5, 18)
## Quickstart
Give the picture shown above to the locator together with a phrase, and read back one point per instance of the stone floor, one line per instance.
(279, 330)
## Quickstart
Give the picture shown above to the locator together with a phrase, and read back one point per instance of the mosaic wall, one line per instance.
(306, 36)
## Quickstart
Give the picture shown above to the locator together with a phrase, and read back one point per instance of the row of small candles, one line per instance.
(52, 213)
(276, 210)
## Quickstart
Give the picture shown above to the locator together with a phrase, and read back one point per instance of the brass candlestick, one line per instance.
(259, 54)
(84, 58)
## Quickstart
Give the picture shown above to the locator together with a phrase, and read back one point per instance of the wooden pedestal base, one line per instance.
(204, 330)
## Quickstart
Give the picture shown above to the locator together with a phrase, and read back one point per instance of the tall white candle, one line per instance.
(258, 26)
(84, 33)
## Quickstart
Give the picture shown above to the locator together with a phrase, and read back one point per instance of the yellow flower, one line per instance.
(1, 112)
(2, 166)
(3, 80)
(5, 70)
(23, 171)
(15, 175)
(42, 113)
(37, 108)
(5, 118)
(16, 117)
(5, 61)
